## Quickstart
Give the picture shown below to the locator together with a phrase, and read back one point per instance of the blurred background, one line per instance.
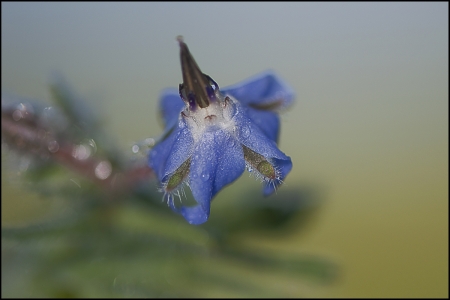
(364, 212)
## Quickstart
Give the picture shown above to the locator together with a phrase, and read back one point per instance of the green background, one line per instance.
(368, 132)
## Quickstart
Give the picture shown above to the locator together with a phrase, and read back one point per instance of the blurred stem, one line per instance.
(26, 135)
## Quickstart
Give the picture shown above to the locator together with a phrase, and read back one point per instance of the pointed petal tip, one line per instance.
(181, 43)
(195, 215)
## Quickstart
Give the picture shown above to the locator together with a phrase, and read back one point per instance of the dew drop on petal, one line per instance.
(205, 176)
(245, 132)
(218, 136)
(230, 140)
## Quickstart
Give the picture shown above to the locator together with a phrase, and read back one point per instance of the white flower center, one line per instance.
(218, 115)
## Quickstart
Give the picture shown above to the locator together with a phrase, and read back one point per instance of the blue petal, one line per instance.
(158, 155)
(251, 136)
(217, 160)
(170, 105)
(168, 155)
(195, 215)
(267, 121)
(264, 88)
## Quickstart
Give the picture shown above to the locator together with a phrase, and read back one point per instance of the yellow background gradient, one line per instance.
(369, 126)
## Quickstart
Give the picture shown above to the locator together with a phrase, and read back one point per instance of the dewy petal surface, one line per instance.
(209, 138)
(252, 137)
(268, 121)
(217, 160)
(169, 154)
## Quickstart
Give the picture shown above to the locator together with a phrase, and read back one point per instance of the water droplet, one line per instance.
(93, 145)
(245, 131)
(81, 152)
(218, 136)
(17, 115)
(103, 170)
(150, 142)
(230, 139)
(205, 176)
(53, 146)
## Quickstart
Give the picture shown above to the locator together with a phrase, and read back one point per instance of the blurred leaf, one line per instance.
(119, 240)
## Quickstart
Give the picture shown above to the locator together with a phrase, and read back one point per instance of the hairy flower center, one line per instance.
(218, 115)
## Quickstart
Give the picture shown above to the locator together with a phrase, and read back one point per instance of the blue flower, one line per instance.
(212, 135)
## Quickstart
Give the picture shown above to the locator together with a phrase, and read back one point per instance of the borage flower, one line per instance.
(212, 135)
